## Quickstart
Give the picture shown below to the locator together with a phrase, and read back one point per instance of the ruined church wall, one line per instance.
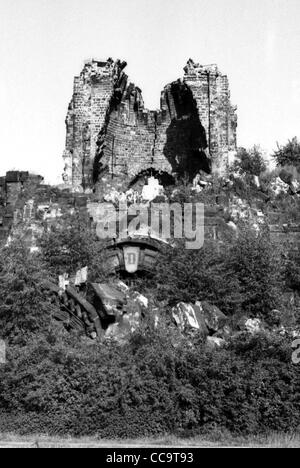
(129, 141)
(93, 90)
(211, 91)
(109, 130)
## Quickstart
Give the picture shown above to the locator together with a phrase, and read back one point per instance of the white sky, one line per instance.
(43, 44)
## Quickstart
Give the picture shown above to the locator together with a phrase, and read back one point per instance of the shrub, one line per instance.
(289, 154)
(249, 162)
(240, 275)
(162, 385)
(191, 275)
(71, 244)
(256, 263)
(24, 307)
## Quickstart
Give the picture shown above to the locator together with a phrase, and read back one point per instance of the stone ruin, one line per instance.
(113, 146)
(109, 131)
(13, 187)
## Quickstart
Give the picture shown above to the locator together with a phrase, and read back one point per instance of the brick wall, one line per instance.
(12, 189)
(22, 197)
(87, 111)
(211, 91)
(110, 131)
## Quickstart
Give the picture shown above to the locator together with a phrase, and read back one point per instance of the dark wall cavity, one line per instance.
(186, 138)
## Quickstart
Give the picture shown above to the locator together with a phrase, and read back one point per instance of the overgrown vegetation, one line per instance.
(249, 162)
(160, 381)
(24, 308)
(71, 244)
(241, 276)
(289, 154)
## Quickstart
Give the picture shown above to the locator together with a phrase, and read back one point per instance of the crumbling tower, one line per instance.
(211, 91)
(109, 131)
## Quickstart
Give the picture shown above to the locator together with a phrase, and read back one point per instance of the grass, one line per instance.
(273, 440)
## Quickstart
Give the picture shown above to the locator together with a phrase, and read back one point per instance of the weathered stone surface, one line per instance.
(111, 299)
(250, 325)
(92, 314)
(13, 206)
(130, 318)
(110, 132)
(124, 327)
(253, 326)
(189, 316)
(213, 342)
(214, 318)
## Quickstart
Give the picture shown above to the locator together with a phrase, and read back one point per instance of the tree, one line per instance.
(289, 154)
(249, 162)
(240, 275)
(196, 275)
(25, 308)
(256, 263)
(71, 244)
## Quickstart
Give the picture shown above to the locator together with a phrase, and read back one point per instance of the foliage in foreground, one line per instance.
(159, 383)
(241, 276)
(25, 309)
(71, 244)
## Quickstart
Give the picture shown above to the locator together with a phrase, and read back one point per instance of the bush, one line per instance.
(249, 162)
(289, 154)
(159, 382)
(156, 384)
(71, 244)
(24, 307)
(193, 275)
(256, 263)
(242, 275)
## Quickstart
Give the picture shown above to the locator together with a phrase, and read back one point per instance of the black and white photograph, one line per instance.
(150, 227)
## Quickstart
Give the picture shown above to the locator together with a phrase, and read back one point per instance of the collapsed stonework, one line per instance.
(118, 151)
(13, 189)
(114, 144)
(109, 131)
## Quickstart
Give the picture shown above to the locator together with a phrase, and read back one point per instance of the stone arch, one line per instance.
(165, 179)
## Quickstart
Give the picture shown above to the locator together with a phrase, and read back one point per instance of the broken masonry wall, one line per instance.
(110, 132)
(127, 139)
(93, 89)
(181, 137)
(127, 142)
(13, 188)
(38, 204)
(171, 140)
(211, 91)
(130, 141)
(282, 229)
(102, 159)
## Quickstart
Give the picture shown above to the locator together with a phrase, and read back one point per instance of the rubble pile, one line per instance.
(203, 318)
(101, 310)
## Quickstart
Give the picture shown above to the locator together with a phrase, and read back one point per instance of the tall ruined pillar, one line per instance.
(211, 91)
(93, 90)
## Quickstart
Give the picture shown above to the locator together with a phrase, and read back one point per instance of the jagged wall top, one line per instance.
(95, 70)
(110, 132)
(193, 68)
